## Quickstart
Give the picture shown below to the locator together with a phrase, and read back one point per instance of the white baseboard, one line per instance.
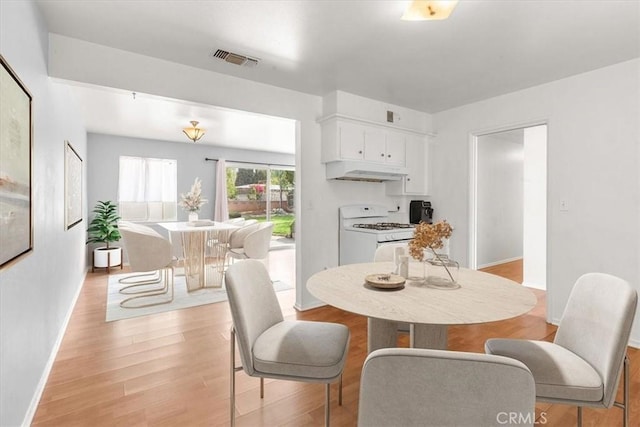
(503, 261)
(37, 395)
(309, 307)
(534, 286)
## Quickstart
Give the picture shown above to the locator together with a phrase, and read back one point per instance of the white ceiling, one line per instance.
(486, 48)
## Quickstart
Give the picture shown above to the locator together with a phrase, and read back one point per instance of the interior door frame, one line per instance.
(473, 194)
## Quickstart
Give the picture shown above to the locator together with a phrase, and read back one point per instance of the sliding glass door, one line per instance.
(262, 192)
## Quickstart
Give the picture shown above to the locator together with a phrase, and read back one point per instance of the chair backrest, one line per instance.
(236, 240)
(596, 325)
(254, 305)
(419, 387)
(386, 252)
(257, 244)
(146, 248)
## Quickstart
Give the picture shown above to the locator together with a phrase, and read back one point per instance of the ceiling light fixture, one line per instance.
(424, 10)
(194, 133)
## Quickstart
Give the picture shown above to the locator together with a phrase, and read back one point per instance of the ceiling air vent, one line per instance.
(235, 58)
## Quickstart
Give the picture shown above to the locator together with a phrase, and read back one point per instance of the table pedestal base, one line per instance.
(428, 336)
(384, 334)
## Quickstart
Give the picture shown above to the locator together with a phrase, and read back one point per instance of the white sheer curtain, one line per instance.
(147, 189)
(221, 209)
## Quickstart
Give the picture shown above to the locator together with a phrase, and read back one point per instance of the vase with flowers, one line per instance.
(193, 200)
(427, 239)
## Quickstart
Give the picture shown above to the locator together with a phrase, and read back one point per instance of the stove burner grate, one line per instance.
(383, 226)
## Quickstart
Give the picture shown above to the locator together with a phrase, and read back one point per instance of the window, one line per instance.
(147, 189)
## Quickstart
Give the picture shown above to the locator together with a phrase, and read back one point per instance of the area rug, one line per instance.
(182, 298)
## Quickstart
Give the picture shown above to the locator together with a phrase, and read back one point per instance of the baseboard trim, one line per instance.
(534, 286)
(37, 395)
(309, 307)
(503, 261)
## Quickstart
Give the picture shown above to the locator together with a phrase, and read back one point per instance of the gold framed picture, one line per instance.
(16, 139)
(72, 186)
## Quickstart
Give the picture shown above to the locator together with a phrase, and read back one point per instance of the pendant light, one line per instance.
(194, 133)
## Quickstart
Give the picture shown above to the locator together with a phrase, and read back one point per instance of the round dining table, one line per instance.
(479, 298)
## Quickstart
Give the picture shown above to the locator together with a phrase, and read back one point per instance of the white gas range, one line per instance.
(365, 227)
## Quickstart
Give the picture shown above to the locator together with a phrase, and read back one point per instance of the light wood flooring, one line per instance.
(172, 369)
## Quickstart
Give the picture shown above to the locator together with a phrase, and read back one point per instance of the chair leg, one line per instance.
(625, 421)
(327, 400)
(167, 279)
(232, 373)
(340, 392)
(579, 416)
(261, 388)
(624, 405)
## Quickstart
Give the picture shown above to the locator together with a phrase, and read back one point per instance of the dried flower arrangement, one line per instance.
(429, 236)
(193, 200)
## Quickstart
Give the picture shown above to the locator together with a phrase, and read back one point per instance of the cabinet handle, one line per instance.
(389, 156)
(382, 155)
(408, 179)
(360, 152)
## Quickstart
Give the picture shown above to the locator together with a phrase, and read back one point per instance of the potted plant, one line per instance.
(104, 229)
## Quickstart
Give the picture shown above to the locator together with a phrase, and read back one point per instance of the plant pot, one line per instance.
(106, 258)
(193, 216)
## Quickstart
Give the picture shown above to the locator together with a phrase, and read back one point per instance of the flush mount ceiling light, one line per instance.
(194, 133)
(424, 10)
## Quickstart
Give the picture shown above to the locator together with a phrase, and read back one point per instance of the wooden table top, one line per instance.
(482, 297)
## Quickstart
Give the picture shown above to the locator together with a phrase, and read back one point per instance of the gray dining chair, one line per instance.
(582, 365)
(413, 387)
(271, 347)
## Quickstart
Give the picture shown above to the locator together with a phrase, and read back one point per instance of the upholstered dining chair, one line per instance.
(582, 365)
(413, 387)
(149, 254)
(271, 347)
(255, 241)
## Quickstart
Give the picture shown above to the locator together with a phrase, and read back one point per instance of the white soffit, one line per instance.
(118, 112)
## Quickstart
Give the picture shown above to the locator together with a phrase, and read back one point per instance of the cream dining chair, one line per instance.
(271, 347)
(252, 241)
(582, 365)
(149, 253)
(412, 387)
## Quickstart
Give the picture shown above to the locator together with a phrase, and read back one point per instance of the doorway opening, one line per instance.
(509, 202)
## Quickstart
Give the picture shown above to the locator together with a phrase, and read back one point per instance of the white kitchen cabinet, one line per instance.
(415, 183)
(350, 140)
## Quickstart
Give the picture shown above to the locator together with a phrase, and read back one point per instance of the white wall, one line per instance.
(534, 244)
(38, 292)
(318, 199)
(499, 200)
(593, 163)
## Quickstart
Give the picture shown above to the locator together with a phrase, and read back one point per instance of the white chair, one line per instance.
(255, 241)
(418, 387)
(582, 366)
(148, 252)
(385, 253)
(271, 347)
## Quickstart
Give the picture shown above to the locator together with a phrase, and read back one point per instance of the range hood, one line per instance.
(364, 171)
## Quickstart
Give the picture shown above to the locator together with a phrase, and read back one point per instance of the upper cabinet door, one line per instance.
(396, 148)
(374, 145)
(352, 137)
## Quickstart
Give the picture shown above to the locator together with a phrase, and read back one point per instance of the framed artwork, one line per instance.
(72, 186)
(16, 207)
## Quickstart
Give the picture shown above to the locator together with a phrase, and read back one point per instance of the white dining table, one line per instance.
(480, 298)
(204, 248)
